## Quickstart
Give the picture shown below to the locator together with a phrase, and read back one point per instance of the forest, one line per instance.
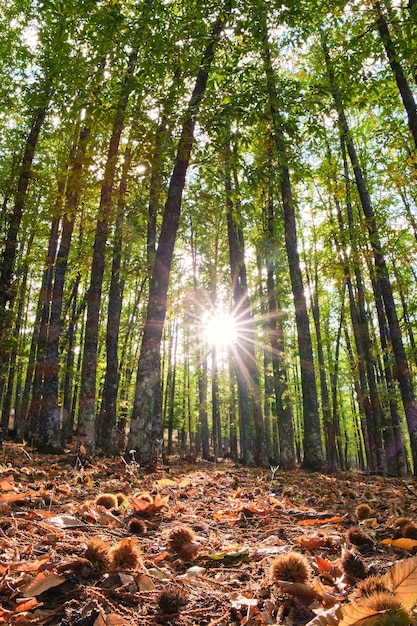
(208, 231)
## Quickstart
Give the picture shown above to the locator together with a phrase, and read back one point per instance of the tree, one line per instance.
(313, 451)
(146, 425)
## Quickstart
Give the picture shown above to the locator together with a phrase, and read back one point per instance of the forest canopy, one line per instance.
(208, 230)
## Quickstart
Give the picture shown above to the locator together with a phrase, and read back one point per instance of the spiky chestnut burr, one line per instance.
(363, 511)
(292, 567)
(125, 555)
(108, 500)
(98, 553)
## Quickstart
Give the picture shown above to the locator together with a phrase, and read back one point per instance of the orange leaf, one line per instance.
(7, 484)
(27, 605)
(403, 542)
(42, 582)
(16, 497)
(30, 566)
(311, 543)
(159, 501)
(330, 520)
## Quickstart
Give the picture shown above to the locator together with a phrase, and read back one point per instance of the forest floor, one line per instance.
(193, 543)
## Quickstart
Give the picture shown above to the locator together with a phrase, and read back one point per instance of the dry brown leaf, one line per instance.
(7, 484)
(27, 605)
(331, 617)
(327, 567)
(403, 542)
(166, 482)
(303, 592)
(403, 580)
(311, 543)
(145, 583)
(149, 508)
(42, 582)
(357, 615)
(330, 520)
(238, 600)
(30, 566)
(17, 497)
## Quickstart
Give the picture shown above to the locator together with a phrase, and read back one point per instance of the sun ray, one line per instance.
(220, 329)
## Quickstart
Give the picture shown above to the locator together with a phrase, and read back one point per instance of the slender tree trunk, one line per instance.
(215, 410)
(10, 249)
(276, 338)
(49, 427)
(395, 453)
(106, 426)
(400, 78)
(245, 360)
(334, 376)
(7, 404)
(87, 408)
(325, 398)
(67, 421)
(312, 441)
(403, 374)
(36, 367)
(146, 425)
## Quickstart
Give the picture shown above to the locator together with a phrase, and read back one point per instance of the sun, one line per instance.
(219, 329)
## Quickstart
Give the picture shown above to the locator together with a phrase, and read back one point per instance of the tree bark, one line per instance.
(312, 441)
(403, 373)
(106, 426)
(87, 403)
(49, 425)
(400, 78)
(146, 430)
(10, 249)
(275, 324)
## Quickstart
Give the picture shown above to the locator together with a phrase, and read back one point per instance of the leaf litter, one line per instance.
(103, 544)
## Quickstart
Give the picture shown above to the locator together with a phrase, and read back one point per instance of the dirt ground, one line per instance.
(103, 543)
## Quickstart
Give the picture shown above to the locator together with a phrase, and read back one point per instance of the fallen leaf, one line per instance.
(145, 583)
(303, 592)
(65, 521)
(331, 617)
(17, 497)
(166, 482)
(404, 543)
(27, 605)
(239, 599)
(30, 566)
(328, 567)
(403, 579)
(229, 557)
(358, 615)
(7, 484)
(42, 582)
(330, 520)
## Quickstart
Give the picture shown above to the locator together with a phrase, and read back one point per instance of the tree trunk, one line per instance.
(276, 338)
(49, 427)
(403, 374)
(106, 426)
(7, 403)
(87, 408)
(146, 425)
(10, 248)
(312, 442)
(400, 78)
(244, 351)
